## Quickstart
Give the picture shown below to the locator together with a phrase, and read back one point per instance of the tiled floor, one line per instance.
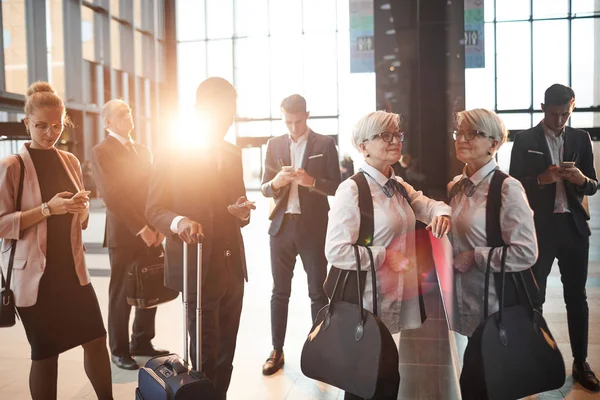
(426, 373)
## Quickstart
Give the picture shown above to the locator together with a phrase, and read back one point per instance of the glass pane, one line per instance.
(15, 46)
(251, 18)
(320, 78)
(519, 121)
(548, 36)
(584, 64)
(220, 59)
(514, 65)
(252, 77)
(115, 44)
(479, 82)
(286, 70)
(285, 17)
(254, 129)
(324, 126)
(488, 10)
(114, 8)
(537, 118)
(56, 53)
(319, 15)
(191, 70)
(137, 13)
(510, 10)
(138, 54)
(583, 7)
(219, 18)
(190, 20)
(585, 120)
(87, 33)
(162, 75)
(551, 9)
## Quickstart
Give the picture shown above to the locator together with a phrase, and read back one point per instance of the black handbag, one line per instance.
(512, 354)
(8, 309)
(349, 347)
(145, 281)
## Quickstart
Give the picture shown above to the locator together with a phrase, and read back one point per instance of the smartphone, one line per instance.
(81, 193)
(567, 164)
(246, 203)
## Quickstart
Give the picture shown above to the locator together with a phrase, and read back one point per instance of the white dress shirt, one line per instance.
(394, 224)
(469, 234)
(297, 149)
(120, 138)
(556, 144)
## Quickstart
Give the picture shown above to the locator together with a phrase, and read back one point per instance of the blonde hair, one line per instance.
(484, 121)
(42, 94)
(373, 124)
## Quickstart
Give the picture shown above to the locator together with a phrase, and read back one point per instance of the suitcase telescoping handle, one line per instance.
(198, 307)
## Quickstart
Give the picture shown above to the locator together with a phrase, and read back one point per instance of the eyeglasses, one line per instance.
(468, 135)
(44, 127)
(388, 137)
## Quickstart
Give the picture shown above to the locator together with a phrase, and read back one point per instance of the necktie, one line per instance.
(393, 185)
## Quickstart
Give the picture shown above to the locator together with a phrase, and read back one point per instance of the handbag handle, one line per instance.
(373, 281)
(487, 282)
(13, 247)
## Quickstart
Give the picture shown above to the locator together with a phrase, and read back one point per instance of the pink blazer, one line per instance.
(30, 256)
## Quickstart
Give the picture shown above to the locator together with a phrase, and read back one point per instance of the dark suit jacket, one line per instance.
(122, 178)
(182, 184)
(526, 165)
(321, 162)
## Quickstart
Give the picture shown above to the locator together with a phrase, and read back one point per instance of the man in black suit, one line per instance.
(121, 169)
(197, 193)
(556, 189)
(301, 170)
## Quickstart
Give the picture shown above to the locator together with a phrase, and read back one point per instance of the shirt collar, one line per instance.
(120, 138)
(301, 138)
(549, 132)
(478, 176)
(377, 176)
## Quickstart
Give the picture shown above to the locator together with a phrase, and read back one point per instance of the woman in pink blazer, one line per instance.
(53, 294)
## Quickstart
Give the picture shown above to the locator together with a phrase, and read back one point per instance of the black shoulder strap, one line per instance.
(492, 210)
(11, 260)
(365, 204)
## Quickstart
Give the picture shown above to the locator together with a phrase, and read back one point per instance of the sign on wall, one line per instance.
(474, 34)
(362, 32)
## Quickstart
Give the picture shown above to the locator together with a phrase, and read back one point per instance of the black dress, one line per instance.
(66, 314)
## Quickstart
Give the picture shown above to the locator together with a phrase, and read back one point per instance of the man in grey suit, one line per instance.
(301, 170)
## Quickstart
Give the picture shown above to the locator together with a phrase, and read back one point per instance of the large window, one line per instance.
(531, 44)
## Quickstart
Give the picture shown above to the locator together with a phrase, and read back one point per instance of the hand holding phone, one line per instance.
(81, 193)
(567, 164)
(246, 204)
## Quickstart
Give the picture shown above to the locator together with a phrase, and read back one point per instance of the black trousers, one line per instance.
(121, 260)
(563, 241)
(222, 298)
(285, 246)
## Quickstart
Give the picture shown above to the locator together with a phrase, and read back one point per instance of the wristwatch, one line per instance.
(46, 210)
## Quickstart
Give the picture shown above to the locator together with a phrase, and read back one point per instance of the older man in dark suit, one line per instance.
(301, 170)
(121, 169)
(555, 164)
(197, 193)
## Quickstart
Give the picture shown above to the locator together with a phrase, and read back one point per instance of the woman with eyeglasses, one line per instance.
(479, 136)
(53, 294)
(396, 207)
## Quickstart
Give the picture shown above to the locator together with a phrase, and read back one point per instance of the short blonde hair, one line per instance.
(373, 124)
(109, 108)
(484, 121)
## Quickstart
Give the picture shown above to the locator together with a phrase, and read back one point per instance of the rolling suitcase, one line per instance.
(171, 377)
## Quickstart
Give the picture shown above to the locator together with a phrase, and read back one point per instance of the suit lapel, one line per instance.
(310, 141)
(570, 147)
(117, 147)
(287, 157)
(543, 144)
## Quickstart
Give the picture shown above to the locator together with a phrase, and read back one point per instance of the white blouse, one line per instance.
(394, 224)
(469, 233)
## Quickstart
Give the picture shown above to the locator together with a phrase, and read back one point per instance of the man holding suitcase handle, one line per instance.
(199, 195)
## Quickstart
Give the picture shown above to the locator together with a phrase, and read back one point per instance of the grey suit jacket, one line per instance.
(321, 162)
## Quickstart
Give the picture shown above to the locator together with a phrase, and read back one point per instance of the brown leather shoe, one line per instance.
(583, 374)
(273, 363)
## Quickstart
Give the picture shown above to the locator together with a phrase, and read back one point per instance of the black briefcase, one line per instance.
(145, 281)
(512, 354)
(171, 377)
